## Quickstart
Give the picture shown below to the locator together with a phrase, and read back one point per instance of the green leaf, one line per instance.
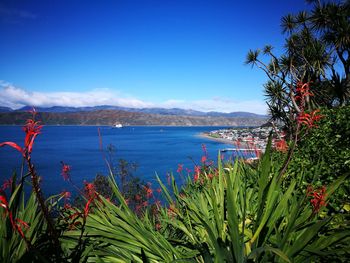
(255, 253)
(232, 213)
(305, 237)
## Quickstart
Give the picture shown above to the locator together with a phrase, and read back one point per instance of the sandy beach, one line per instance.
(243, 145)
(205, 135)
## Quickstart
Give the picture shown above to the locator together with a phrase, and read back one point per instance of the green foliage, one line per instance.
(330, 143)
(132, 186)
(240, 214)
(230, 213)
(323, 154)
(14, 247)
(245, 214)
(316, 52)
(102, 186)
(114, 233)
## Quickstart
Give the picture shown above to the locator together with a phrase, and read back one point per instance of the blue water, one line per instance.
(154, 149)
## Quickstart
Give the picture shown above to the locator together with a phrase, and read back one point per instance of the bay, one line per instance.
(156, 150)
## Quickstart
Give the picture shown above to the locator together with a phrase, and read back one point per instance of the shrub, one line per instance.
(323, 153)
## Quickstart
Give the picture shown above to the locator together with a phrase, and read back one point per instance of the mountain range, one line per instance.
(162, 111)
(111, 115)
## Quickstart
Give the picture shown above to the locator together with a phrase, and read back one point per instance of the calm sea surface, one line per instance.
(154, 149)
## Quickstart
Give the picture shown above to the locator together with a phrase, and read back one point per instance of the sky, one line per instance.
(186, 54)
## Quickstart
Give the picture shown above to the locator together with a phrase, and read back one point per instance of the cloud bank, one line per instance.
(14, 97)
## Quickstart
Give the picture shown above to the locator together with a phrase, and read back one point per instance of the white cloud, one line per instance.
(14, 97)
(219, 105)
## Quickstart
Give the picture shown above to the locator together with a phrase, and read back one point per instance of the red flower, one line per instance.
(91, 195)
(172, 210)
(303, 90)
(65, 171)
(149, 192)
(137, 197)
(309, 119)
(32, 129)
(90, 190)
(87, 207)
(204, 159)
(197, 171)
(67, 206)
(66, 194)
(16, 223)
(159, 190)
(281, 145)
(13, 145)
(179, 168)
(319, 198)
(3, 203)
(7, 184)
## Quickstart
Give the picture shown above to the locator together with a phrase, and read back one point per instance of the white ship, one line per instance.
(118, 125)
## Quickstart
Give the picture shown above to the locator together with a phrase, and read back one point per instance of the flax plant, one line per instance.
(114, 233)
(20, 226)
(245, 214)
(238, 214)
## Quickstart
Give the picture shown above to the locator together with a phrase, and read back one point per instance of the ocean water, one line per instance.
(156, 150)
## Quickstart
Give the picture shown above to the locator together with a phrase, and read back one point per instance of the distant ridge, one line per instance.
(111, 117)
(5, 109)
(162, 111)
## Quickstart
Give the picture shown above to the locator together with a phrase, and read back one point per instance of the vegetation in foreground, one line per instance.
(292, 205)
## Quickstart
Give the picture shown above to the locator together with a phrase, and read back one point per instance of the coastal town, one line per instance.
(250, 138)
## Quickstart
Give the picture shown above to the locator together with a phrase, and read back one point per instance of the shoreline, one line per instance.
(206, 136)
(242, 145)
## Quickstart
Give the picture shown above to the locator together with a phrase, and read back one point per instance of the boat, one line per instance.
(118, 125)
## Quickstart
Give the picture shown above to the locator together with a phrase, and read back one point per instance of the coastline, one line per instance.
(206, 136)
(242, 145)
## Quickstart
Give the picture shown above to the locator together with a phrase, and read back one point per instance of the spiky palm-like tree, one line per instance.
(317, 51)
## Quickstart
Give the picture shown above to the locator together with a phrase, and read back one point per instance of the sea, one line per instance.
(155, 150)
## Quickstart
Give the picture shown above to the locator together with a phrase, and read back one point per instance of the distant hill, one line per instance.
(237, 114)
(5, 109)
(111, 117)
(162, 111)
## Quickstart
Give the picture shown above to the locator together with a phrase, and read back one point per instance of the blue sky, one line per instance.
(187, 54)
